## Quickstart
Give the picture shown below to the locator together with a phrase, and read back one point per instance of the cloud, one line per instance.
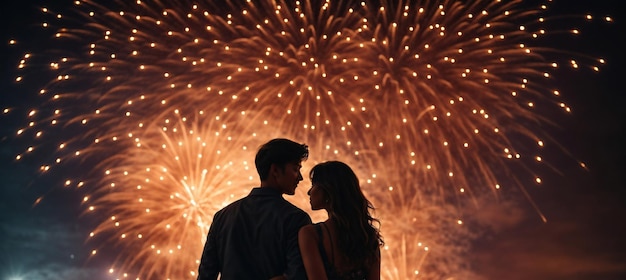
(56, 271)
(38, 246)
(497, 216)
(574, 246)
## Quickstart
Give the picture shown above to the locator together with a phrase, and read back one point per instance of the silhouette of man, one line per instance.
(256, 237)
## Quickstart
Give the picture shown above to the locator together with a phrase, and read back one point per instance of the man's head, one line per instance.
(278, 163)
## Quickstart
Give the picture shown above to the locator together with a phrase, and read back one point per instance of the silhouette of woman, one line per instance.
(346, 245)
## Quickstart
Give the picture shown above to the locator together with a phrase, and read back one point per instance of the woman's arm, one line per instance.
(308, 243)
(373, 271)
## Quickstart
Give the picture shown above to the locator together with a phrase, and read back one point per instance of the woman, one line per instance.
(346, 245)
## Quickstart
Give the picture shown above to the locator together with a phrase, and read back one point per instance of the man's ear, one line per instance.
(274, 170)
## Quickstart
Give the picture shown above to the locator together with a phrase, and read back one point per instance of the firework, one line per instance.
(434, 103)
(162, 194)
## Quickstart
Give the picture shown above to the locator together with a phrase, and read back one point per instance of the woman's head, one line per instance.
(334, 187)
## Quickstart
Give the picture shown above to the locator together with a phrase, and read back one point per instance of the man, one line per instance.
(256, 237)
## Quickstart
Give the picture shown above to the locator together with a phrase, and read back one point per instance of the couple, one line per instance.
(263, 236)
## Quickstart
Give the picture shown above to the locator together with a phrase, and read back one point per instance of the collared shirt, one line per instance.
(255, 237)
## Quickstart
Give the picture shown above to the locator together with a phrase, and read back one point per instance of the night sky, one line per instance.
(585, 209)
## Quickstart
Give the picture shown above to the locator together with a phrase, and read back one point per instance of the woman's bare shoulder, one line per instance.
(307, 231)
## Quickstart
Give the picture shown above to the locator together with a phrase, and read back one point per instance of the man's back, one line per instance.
(255, 237)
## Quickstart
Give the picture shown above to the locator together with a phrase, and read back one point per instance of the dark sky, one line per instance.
(586, 210)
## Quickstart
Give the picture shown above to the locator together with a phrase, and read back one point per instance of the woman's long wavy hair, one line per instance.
(358, 239)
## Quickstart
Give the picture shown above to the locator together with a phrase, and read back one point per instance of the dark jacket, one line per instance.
(255, 237)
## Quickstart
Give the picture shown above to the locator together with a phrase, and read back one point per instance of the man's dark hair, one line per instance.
(279, 151)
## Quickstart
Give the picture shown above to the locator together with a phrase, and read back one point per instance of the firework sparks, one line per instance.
(423, 98)
(163, 193)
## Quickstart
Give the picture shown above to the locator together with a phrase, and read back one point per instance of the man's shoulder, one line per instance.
(287, 205)
(295, 213)
(230, 207)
